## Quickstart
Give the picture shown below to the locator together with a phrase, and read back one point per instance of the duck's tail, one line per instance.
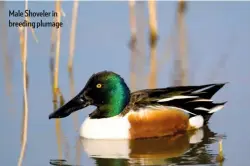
(205, 109)
(195, 100)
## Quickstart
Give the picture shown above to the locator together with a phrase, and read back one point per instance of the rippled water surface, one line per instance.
(183, 149)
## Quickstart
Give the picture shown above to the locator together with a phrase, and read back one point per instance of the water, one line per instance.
(218, 40)
(183, 149)
(51, 142)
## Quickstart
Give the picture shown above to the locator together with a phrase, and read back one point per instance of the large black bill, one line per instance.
(73, 105)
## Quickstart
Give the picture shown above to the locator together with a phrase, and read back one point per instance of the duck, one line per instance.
(146, 113)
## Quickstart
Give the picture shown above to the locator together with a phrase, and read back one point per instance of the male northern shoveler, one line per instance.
(140, 114)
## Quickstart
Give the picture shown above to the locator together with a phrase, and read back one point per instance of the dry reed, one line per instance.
(220, 157)
(58, 124)
(55, 107)
(52, 59)
(52, 46)
(54, 69)
(132, 44)
(58, 132)
(6, 57)
(153, 43)
(23, 118)
(78, 151)
(73, 34)
(62, 12)
(58, 137)
(23, 45)
(71, 55)
(33, 32)
(56, 72)
(58, 40)
(141, 44)
(181, 62)
(72, 93)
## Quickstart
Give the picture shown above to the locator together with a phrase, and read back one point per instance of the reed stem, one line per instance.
(72, 93)
(78, 151)
(58, 39)
(71, 55)
(153, 43)
(7, 65)
(181, 63)
(220, 157)
(141, 45)
(58, 123)
(73, 34)
(133, 41)
(23, 44)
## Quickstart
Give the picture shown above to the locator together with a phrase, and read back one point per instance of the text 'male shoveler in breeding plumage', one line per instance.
(146, 113)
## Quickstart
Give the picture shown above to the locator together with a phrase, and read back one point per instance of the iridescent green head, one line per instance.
(105, 90)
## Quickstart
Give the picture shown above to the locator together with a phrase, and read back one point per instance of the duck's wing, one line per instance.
(195, 100)
(170, 93)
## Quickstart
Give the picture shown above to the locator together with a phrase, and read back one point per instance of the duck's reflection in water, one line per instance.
(182, 149)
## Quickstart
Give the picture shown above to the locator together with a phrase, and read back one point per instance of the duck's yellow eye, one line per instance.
(98, 85)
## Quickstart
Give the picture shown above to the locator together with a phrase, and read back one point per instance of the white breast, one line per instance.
(116, 127)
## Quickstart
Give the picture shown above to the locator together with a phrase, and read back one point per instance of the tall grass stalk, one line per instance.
(58, 136)
(23, 44)
(58, 40)
(61, 136)
(71, 55)
(141, 44)
(33, 32)
(78, 151)
(58, 124)
(153, 43)
(23, 117)
(72, 93)
(52, 59)
(55, 107)
(54, 70)
(181, 62)
(220, 157)
(132, 44)
(73, 34)
(7, 65)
